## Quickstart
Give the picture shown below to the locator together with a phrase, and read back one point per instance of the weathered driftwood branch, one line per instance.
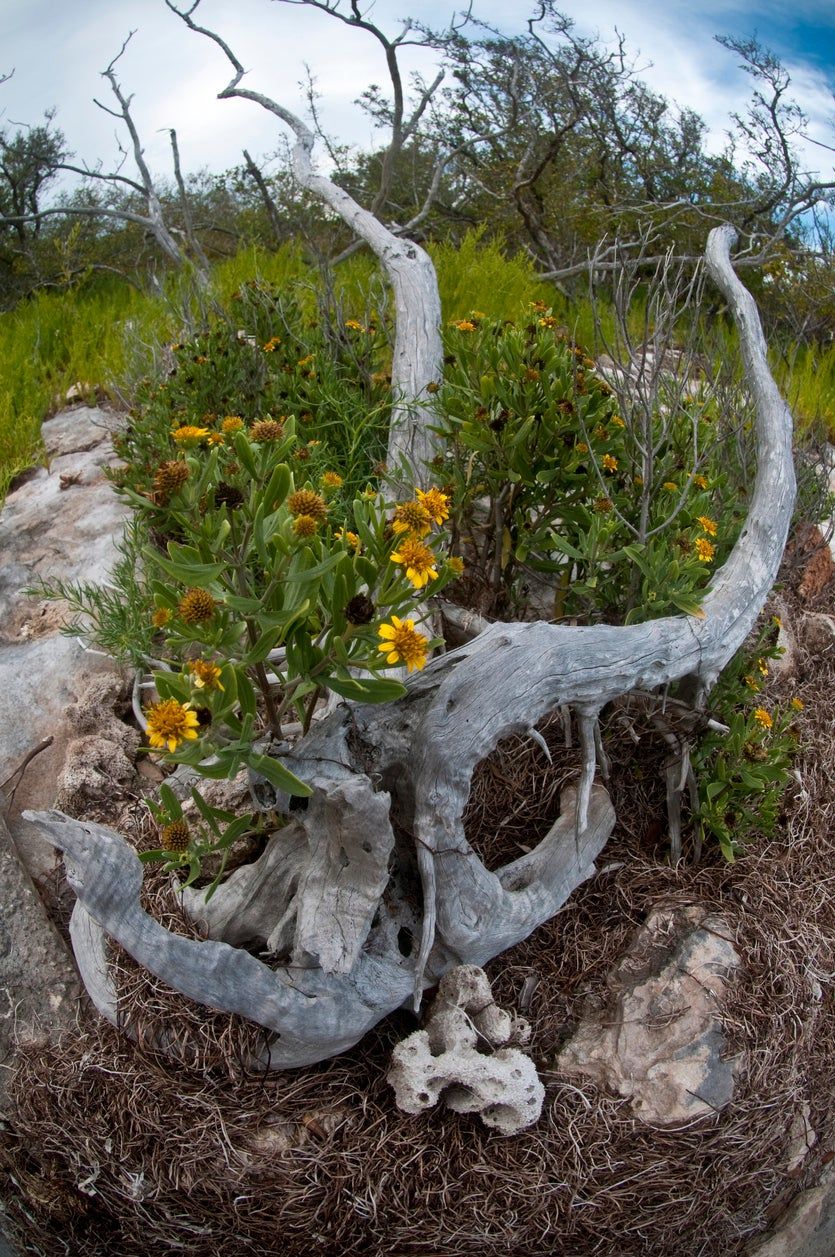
(342, 963)
(418, 354)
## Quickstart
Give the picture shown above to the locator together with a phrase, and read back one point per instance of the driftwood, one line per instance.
(372, 893)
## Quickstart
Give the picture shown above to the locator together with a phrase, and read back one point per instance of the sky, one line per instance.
(58, 50)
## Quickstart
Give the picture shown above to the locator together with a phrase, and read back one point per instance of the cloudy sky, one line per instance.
(57, 51)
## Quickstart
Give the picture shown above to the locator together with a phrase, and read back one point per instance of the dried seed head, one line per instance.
(360, 610)
(227, 495)
(171, 476)
(175, 836)
(266, 430)
(196, 606)
(306, 502)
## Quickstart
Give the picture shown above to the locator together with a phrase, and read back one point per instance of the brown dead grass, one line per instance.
(115, 1150)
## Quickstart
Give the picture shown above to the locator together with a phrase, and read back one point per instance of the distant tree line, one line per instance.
(548, 140)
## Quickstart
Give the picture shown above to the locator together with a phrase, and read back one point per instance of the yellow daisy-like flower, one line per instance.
(331, 480)
(797, 704)
(670, 485)
(436, 503)
(303, 362)
(215, 438)
(189, 434)
(401, 641)
(609, 463)
(707, 524)
(465, 325)
(205, 674)
(456, 564)
(272, 344)
(763, 717)
(344, 534)
(160, 617)
(705, 550)
(306, 502)
(752, 683)
(581, 447)
(776, 621)
(170, 723)
(418, 560)
(700, 482)
(617, 422)
(411, 517)
(762, 667)
(547, 320)
(232, 423)
(354, 325)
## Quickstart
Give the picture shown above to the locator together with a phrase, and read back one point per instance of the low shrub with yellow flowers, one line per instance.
(741, 775)
(552, 488)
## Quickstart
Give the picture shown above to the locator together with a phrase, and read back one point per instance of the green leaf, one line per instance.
(278, 775)
(245, 453)
(197, 575)
(367, 690)
(170, 802)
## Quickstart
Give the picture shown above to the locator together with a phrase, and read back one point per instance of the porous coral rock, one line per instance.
(455, 1055)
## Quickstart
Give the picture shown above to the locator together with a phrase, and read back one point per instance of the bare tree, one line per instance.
(374, 891)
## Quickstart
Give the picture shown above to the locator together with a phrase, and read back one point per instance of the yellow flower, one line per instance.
(617, 421)
(708, 524)
(465, 325)
(547, 321)
(700, 482)
(762, 667)
(609, 463)
(435, 502)
(205, 674)
(331, 480)
(537, 305)
(170, 723)
(232, 423)
(776, 621)
(798, 704)
(456, 564)
(670, 484)
(272, 344)
(343, 534)
(704, 549)
(354, 325)
(762, 717)
(752, 683)
(418, 560)
(581, 447)
(189, 434)
(160, 617)
(402, 641)
(411, 517)
(306, 502)
(303, 362)
(215, 438)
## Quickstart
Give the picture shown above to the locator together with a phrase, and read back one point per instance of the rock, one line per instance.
(39, 987)
(454, 1055)
(802, 1137)
(818, 630)
(659, 1039)
(47, 532)
(807, 1228)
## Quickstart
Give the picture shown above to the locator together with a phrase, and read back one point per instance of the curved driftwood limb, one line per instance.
(313, 1015)
(418, 353)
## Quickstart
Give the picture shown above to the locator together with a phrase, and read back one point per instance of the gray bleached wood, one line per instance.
(422, 750)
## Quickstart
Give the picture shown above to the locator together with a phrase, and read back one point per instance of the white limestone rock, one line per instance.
(658, 1040)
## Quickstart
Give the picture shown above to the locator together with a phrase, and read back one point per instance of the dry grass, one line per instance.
(118, 1151)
